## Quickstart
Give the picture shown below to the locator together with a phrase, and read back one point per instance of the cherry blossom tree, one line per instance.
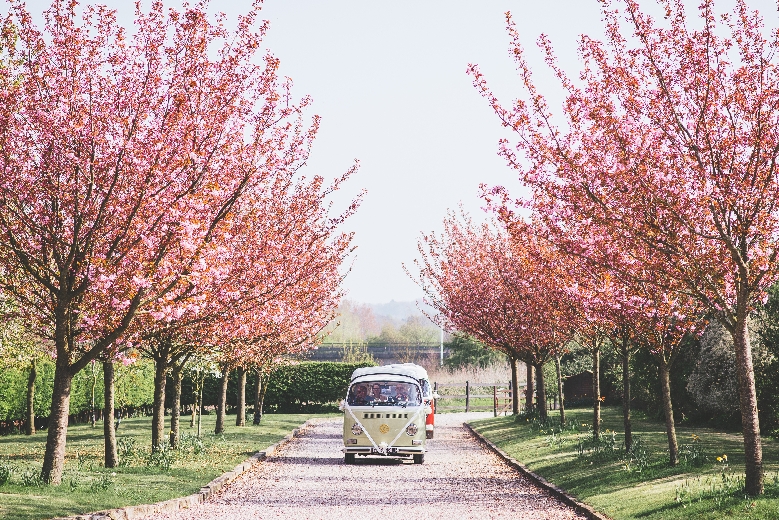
(620, 301)
(670, 142)
(270, 276)
(458, 281)
(120, 157)
(554, 313)
(500, 291)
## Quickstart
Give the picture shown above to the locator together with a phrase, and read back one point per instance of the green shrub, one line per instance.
(5, 473)
(163, 457)
(134, 388)
(466, 352)
(311, 386)
(102, 482)
(32, 478)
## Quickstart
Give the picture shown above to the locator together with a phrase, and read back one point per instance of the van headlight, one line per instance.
(412, 429)
(356, 429)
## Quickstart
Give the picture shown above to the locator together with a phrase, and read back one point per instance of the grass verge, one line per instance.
(640, 485)
(141, 478)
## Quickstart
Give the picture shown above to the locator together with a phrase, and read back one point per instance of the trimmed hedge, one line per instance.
(304, 387)
(134, 388)
(309, 386)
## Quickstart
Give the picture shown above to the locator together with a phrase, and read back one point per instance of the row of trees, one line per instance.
(152, 204)
(653, 206)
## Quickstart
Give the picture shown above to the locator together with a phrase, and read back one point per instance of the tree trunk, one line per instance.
(541, 392)
(221, 407)
(54, 458)
(670, 429)
(158, 408)
(175, 411)
(30, 427)
(262, 396)
(199, 405)
(92, 402)
(240, 417)
(750, 423)
(560, 390)
(257, 402)
(195, 402)
(529, 389)
(626, 394)
(109, 431)
(596, 390)
(514, 386)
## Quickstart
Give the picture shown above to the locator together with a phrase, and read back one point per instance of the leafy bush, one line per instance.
(468, 353)
(310, 386)
(713, 385)
(637, 458)
(32, 478)
(103, 482)
(5, 473)
(163, 457)
(134, 388)
(692, 453)
(767, 373)
(190, 443)
(645, 382)
(127, 449)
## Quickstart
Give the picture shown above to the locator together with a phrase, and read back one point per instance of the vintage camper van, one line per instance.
(385, 412)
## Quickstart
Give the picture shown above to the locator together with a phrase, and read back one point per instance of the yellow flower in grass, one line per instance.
(725, 457)
(719, 459)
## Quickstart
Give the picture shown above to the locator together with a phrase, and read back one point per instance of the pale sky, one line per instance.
(388, 79)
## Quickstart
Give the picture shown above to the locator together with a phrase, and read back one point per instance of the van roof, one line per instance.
(400, 369)
(399, 378)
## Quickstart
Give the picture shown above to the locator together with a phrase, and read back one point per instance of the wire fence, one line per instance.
(474, 397)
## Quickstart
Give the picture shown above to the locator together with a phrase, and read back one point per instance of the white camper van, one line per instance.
(385, 412)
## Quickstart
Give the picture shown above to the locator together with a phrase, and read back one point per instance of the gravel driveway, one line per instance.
(307, 479)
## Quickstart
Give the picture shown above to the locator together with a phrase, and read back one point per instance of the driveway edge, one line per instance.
(540, 481)
(176, 504)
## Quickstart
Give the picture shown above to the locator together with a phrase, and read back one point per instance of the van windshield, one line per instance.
(384, 393)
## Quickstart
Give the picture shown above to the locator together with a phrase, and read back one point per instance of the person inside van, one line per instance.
(359, 396)
(401, 393)
(376, 393)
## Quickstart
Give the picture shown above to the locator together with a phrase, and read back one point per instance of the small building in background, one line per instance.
(578, 388)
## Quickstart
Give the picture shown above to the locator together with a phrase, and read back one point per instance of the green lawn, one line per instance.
(642, 486)
(88, 486)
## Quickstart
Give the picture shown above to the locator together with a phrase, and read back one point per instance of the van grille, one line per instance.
(385, 416)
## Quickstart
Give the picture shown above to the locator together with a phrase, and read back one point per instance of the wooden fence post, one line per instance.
(494, 401)
(467, 397)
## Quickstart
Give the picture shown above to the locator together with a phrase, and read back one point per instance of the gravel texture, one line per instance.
(307, 479)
